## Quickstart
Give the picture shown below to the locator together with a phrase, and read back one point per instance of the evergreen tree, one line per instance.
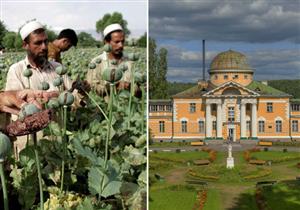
(158, 67)
(152, 56)
(162, 88)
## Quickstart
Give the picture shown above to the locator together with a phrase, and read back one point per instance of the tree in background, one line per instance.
(51, 34)
(86, 40)
(162, 68)
(152, 56)
(158, 67)
(108, 19)
(142, 41)
(12, 41)
(3, 31)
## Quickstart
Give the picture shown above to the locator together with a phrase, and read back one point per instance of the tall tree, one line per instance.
(3, 31)
(9, 40)
(142, 41)
(86, 40)
(108, 19)
(162, 89)
(152, 56)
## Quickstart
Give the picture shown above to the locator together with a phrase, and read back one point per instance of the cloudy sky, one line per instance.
(80, 15)
(266, 31)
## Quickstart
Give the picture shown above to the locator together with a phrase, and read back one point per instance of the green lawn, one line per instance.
(284, 195)
(274, 155)
(230, 191)
(168, 199)
(213, 201)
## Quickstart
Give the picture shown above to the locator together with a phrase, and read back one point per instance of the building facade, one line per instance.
(230, 105)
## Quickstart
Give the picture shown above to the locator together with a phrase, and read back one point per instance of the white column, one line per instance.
(219, 121)
(243, 120)
(208, 123)
(254, 121)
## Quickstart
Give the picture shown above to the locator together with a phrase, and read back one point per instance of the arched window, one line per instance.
(278, 126)
(184, 126)
(201, 126)
(161, 126)
(261, 126)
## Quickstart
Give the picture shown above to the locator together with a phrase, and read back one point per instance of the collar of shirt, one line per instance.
(44, 67)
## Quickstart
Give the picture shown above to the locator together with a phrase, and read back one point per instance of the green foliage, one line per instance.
(86, 40)
(86, 176)
(108, 19)
(12, 41)
(2, 32)
(291, 87)
(142, 41)
(158, 67)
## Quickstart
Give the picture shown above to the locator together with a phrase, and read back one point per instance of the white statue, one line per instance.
(230, 159)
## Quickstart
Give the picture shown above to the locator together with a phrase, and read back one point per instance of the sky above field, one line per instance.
(266, 31)
(79, 15)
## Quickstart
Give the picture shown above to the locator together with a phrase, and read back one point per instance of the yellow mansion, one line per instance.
(230, 105)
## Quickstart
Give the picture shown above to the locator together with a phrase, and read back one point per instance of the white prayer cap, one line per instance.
(112, 27)
(30, 27)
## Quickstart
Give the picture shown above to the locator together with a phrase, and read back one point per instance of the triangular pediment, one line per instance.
(231, 89)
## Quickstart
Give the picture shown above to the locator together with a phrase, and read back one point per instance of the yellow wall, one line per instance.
(241, 80)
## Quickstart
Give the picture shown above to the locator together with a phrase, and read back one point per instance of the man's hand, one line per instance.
(12, 101)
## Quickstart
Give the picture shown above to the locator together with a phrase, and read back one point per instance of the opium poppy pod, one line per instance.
(5, 146)
(92, 66)
(112, 75)
(107, 48)
(53, 103)
(27, 73)
(58, 81)
(61, 70)
(66, 98)
(44, 86)
(28, 109)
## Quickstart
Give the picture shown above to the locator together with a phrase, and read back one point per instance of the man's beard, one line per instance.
(40, 60)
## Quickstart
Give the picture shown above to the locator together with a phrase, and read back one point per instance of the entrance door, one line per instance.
(231, 134)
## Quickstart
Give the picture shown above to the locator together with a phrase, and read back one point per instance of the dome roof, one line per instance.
(230, 61)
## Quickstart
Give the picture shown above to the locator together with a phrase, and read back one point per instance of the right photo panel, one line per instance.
(224, 105)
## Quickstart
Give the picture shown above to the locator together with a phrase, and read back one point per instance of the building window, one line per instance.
(269, 107)
(261, 126)
(201, 126)
(278, 126)
(230, 114)
(226, 77)
(192, 107)
(236, 76)
(153, 108)
(214, 125)
(184, 126)
(295, 125)
(295, 107)
(168, 108)
(245, 76)
(248, 125)
(216, 76)
(161, 108)
(161, 126)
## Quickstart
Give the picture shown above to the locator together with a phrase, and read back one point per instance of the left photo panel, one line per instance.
(73, 98)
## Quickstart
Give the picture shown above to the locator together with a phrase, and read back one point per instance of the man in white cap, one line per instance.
(115, 37)
(35, 42)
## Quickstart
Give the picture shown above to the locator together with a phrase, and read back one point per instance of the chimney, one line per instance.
(203, 59)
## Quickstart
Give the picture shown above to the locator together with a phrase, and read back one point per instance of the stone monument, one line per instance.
(230, 160)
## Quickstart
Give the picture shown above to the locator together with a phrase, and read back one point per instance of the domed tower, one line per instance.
(230, 66)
